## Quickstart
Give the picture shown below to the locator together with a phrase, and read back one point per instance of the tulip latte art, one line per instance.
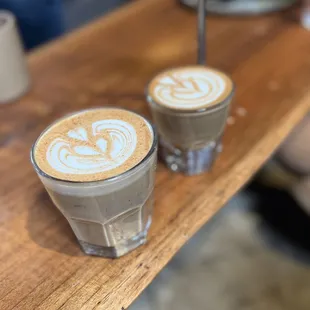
(93, 145)
(190, 88)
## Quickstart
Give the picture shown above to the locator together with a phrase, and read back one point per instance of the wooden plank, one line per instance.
(109, 63)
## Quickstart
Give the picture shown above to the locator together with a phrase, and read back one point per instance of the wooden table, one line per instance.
(110, 62)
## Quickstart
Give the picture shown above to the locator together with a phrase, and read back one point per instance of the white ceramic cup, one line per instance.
(14, 75)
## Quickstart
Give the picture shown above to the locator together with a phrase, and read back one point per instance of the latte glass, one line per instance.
(109, 217)
(190, 106)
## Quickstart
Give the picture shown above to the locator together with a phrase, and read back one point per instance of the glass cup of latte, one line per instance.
(190, 106)
(98, 167)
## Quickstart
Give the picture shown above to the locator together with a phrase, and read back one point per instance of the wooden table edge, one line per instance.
(245, 168)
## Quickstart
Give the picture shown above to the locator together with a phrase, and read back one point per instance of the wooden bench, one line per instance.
(109, 62)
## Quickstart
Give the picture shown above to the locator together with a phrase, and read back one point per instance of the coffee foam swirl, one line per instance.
(190, 88)
(85, 149)
(107, 146)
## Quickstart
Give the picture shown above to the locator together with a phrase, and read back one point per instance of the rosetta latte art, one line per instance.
(104, 146)
(189, 89)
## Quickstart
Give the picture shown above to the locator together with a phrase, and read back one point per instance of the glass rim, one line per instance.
(110, 179)
(152, 100)
(189, 113)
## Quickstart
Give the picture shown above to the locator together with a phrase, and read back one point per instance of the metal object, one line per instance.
(245, 7)
(202, 32)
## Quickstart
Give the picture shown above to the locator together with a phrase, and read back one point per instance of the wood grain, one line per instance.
(109, 63)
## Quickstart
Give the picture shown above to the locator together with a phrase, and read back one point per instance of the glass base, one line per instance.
(117, 250)
(189, 162)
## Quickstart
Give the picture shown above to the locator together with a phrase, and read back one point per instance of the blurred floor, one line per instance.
(240, 260)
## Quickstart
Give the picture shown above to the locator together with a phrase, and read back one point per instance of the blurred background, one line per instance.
(43, 20)
(78, 12)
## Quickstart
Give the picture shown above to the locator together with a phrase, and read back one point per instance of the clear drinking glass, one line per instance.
(190, 140)
(109, 217)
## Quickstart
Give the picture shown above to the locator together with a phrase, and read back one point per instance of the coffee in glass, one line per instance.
(98, 167)
(190, 106)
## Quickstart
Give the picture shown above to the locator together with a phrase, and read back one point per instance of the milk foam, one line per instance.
(106, 146)
(189, 88)
(93, 145)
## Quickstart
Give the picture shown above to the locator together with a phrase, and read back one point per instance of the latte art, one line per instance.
(190, 88)
(93, 145)
(106, 146)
